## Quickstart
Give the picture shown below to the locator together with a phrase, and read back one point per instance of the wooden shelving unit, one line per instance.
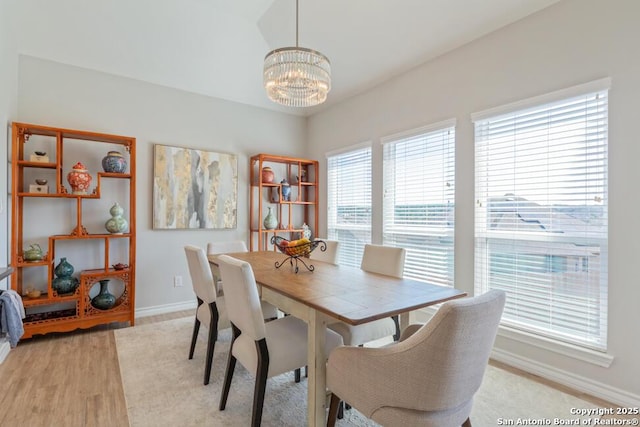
(51, 312)
(291, 214)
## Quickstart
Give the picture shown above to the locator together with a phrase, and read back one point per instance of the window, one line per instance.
(349, 203)
(419, 198)
(541, 212)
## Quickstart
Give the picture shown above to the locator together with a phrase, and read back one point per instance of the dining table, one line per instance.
(332, 293)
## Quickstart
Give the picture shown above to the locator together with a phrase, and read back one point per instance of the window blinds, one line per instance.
(541, 215)
(419, 198)
(349, 203)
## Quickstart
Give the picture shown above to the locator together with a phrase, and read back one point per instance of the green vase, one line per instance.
(64, 269)
(64, 283)
(104, 300)
(270, 221)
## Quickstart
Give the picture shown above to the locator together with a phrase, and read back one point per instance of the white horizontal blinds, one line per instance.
(419, 197)
(541, 216)
(349, 203)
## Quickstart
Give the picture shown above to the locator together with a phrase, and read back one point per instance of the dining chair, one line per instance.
(226, 247)
(329, 255)
(211, 308)
(264, 349)
(430, 376)
(233, 246)
(386, 260)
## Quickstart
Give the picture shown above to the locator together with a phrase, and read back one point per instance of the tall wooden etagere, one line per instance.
(50, 311)
(301, 207)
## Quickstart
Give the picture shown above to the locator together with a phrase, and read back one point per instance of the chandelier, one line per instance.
(296, 76)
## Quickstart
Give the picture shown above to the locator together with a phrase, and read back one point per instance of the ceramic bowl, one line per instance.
(34, 293)
(40, 181)
(119, 266)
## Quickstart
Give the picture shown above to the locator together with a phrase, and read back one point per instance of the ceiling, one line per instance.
(217, 47)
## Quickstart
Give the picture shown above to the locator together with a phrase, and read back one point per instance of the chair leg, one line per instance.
(194, 338)
(231, 365)
(261, 382)
(467, 423)
(396, 320)
(333, 410)
(297, 373)
(213, 337)
(196, 329)
(341, 410)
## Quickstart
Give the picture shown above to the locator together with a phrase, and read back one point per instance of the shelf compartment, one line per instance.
(68, 313)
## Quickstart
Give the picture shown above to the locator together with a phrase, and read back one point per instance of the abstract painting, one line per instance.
(194, 189)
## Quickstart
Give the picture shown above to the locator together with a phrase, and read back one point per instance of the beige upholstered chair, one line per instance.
(215, 248)
(429, 378)
(229, 247)
(329, 255)
(379, 259)
(211, 309)
(264, 349)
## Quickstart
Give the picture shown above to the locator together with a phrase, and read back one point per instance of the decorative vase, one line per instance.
(64, 283)
(267, 175)
(34, 253)
(270, 221)
(114, 162)
(117, 224)
(79, 179)
(64, 269)
(286, 190)
(104, 300)
(306, 231)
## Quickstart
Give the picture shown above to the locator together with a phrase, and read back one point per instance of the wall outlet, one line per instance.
(177, 281)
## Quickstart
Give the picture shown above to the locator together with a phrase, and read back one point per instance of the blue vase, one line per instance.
(286, 190)
(114, 162)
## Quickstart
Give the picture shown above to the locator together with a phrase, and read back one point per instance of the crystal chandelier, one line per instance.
(296, 76)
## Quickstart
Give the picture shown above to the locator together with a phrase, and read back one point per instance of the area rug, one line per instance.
(163, 388)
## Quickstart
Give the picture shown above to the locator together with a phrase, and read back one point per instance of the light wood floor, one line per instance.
(73, 380)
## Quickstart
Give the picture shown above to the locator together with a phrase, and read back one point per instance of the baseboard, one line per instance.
(5, 347)
(166, 308)
(585, 385)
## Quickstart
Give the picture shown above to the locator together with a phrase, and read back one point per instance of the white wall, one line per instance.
(572, 42)
(8, 108)
(70, 97)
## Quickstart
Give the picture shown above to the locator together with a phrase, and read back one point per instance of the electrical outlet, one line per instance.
(177, 281)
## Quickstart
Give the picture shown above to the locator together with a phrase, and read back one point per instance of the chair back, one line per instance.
(387, 260)
(214, 248)
(228, 247)
(330, 255)
(451, 352)
(201, 277)
(241, 296)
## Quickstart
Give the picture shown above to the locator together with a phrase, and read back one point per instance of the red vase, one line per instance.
(267, 175)
(79, 179)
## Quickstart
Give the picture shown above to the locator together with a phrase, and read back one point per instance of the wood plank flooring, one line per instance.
(73, 380)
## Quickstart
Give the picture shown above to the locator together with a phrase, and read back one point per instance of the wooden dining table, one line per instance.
(334, 293)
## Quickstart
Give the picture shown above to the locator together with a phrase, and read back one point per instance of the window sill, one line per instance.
(584, 354)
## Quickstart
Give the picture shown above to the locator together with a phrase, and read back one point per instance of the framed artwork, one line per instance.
(194, 189)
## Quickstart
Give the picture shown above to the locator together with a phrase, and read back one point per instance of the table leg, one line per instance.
(317, 369)
(404, 320)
